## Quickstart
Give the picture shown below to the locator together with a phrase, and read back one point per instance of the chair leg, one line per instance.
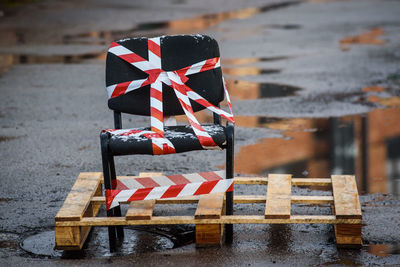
(229, 175)
(117, 210)
(107, 185)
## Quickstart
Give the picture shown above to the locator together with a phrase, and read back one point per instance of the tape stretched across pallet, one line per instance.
(176, 80)
(171, 186)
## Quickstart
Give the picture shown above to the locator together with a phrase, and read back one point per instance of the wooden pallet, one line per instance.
(79, 212)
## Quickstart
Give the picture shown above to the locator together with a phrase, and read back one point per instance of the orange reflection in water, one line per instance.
(373, 89)
(369, 37)
(210, 20)
(248, 71)
(250, 60)
(243, 90)
(368, 147)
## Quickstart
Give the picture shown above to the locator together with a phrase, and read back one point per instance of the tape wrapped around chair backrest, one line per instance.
(177, 52)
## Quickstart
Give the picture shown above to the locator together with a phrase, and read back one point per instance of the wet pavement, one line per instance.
(315, 88)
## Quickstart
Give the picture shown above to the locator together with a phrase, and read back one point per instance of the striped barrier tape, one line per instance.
(147, 188)
(176, 79)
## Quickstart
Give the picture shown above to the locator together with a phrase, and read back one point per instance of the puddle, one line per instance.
(284, 26)
(8, 241)
(135, 241)
(383, 250)
(251, 60)
(248, 71)
(179, 26)
(324, 146)
(244, 90)
(370, 37)
(38, 59)
(41, 244)
(8, 138)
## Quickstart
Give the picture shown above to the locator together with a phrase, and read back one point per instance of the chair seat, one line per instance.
(181, 136)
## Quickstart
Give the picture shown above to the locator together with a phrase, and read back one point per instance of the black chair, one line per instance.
(177, 52)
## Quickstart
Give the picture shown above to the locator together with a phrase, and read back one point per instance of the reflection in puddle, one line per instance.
(251, 60)
(284, 26)
(367, 146)
(135, 241)
(9, 59)
(8, 138)
(384, 250)
(370, 37)
(248, 71)
(243, 90)
(387, 102)
(179, 26)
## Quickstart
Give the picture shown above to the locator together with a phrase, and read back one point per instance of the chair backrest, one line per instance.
(177, 52)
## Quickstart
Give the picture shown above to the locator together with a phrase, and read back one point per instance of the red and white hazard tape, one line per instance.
(176, 79)
(147, 188)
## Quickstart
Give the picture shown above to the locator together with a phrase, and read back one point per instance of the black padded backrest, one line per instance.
(177, 52)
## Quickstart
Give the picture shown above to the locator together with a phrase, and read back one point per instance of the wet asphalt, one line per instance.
(53, 106)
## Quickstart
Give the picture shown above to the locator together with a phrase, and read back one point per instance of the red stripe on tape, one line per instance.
(156, 114)
(168, 150)
(132, 58)
(230, 189)
(205, 187)
(157, 150)
(110, 195)
(210, 176)
(173, 191)
(140, 194)
(156, 94)
(147, 182)
(210, 63)
(120, 89)
(120, 185)
(113, 44)
(153, 47)
(178, 179)
(153, 74)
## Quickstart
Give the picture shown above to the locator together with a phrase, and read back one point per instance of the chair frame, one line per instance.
(109, 174)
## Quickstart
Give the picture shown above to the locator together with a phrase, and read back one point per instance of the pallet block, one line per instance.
(79, 212)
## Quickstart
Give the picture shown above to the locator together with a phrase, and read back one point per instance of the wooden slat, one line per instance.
(238, 199)
(312, 199)
(250, 180)
(74, 237)
(345, 194)
(264, 180)
(210, 206)
(78, 199)
(142, 210)
(311, 182)
(225, 219)
(278, 196)
(180, 200)
(150, 174)
(348, 235)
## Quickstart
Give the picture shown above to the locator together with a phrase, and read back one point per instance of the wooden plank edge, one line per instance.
(77, 218)
(225, 219)
(238, 199)
(337, 192)
(210, 206)
(264, 180)
(145, 206)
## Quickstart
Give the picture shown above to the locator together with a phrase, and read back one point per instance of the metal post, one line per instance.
(107, 185)
(229, 175)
